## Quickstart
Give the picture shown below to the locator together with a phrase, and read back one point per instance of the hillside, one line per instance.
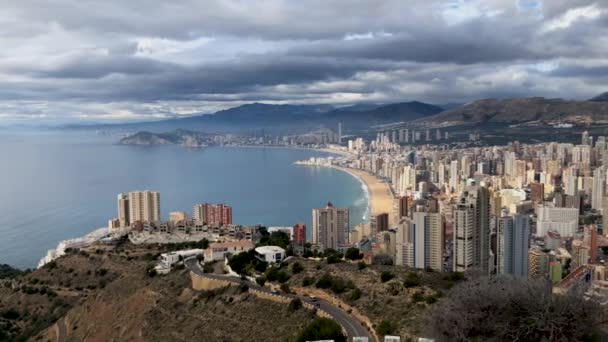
(105, 295)
(287, 119)
(178, 137)
(603, 97)
(525, 109)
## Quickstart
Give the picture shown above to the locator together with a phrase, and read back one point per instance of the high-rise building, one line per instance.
(512, 244)
(212, 214)
(299, 233)
(330, 226)
(590, 240)
(144, 206)
(472, 229)
(537, 192)
(381, 222)
(428, 240)
(123, 210)
(597, 192)
(562, 220)
(404, 206)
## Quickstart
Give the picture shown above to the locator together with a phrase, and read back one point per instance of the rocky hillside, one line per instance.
(178, 137)
(105, 294)
(603, 97)
(524, 110)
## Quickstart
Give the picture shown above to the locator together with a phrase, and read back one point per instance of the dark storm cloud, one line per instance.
(137, 55)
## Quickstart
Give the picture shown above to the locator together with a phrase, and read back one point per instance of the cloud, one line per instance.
(138, 60)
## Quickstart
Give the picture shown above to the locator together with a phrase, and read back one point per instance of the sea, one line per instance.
(62, 185)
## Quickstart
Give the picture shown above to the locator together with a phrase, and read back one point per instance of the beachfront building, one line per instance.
(144, 206)
(330, 226)
(207, 213)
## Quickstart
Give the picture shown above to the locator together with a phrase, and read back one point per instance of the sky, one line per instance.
(79, 61)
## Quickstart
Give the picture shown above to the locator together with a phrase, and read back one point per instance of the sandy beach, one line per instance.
(380, 196)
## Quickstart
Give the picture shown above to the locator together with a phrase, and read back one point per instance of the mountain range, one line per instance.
(517, 110)
(293, 119)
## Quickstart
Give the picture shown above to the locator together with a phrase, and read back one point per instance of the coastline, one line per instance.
(379, 195)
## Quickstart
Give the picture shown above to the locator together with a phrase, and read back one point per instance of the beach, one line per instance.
(381, 199)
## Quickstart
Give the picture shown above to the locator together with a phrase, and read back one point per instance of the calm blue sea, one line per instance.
(55, 186)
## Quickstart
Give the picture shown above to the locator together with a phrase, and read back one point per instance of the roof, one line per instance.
(269, 249)
(242, 243)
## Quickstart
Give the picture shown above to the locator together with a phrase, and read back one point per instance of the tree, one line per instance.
(353, 254)
(322, 329)
(505, 308)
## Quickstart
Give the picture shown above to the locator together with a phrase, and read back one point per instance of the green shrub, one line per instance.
(261, 280)
(386, 276)
(386, 328)
(307, 281)
(361, 265)
(412, 280)
(353, 253)
(296, 268)
(355, 294)
(418, 297)
(294, 305)
(324, 282)
(322, 329)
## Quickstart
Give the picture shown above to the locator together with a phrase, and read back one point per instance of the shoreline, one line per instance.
(380, 198)
(95, 235)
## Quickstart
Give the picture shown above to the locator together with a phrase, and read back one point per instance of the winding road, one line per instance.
(353, 327)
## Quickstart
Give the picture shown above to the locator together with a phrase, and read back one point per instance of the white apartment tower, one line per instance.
(144, 206)
(597, 192)
(330, 226)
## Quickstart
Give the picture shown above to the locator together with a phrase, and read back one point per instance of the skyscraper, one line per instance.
(512, 236)
(123, 210)
(472, 229)
(428, 240)
(597, 192)
(404, 206)
(144, 206)
(330, 226)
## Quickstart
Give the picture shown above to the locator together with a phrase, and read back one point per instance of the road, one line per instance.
(353, 327)
(61, 330)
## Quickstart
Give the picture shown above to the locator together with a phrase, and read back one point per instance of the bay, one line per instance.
(55, 186)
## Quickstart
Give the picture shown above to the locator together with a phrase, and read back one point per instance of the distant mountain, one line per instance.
(391, 113)
(603, 97)
(290, 119)
(524, 109)
(361, 107)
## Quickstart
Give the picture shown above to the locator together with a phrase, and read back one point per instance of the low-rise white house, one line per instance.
(270, 254)
(217, 251)
(172, 258)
